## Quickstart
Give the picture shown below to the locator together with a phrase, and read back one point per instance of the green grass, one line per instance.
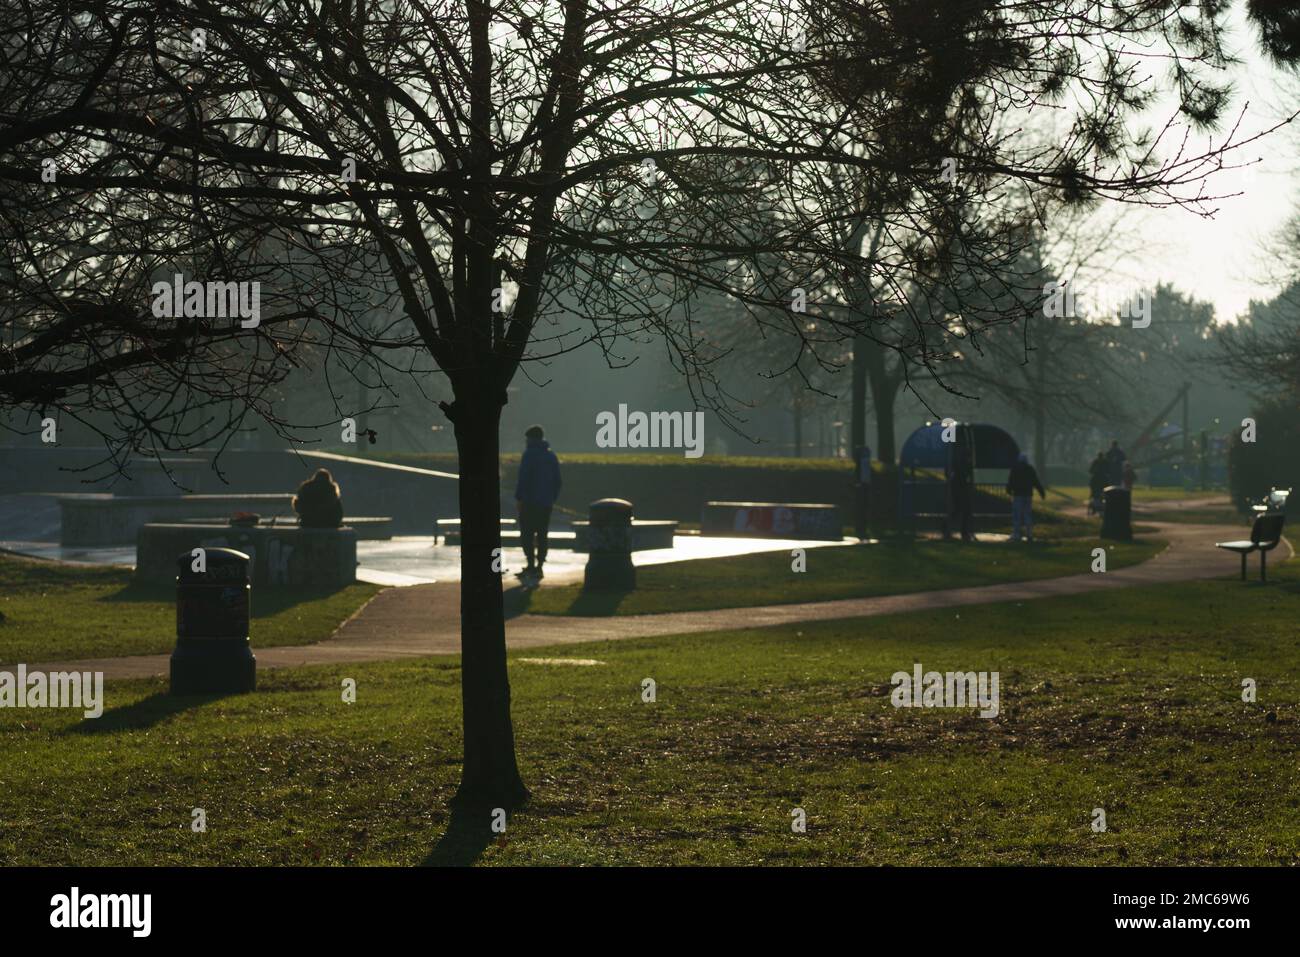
(1058, 495)
(853, 571)
(1130, 703)
(53, 612)
(1144, 498)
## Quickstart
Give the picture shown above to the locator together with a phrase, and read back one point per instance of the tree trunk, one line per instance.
(490, 774)
(1040, 443)
(884, 394)
(858, 404)
(885, 440)
(798, 428)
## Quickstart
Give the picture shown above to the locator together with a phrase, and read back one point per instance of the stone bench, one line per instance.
(448, 530)
(646, 535)
(100, 520)
(281, 554)
(772, 520)
(369, 528)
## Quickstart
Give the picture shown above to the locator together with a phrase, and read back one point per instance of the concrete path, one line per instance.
(424, 620)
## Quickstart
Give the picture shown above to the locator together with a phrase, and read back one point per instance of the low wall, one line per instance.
(104, 520)
(413, 497)
(369, 528)
(281, 554)
(772, 520)
(679, 492)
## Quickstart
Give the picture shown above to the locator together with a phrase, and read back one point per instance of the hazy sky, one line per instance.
(1223, 259)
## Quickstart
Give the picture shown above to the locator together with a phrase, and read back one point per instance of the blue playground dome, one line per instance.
(925, 460)
(992, 447)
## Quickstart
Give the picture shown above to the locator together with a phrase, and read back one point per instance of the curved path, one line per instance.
(423, 620)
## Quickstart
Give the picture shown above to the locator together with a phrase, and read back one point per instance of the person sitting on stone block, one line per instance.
(317, 502)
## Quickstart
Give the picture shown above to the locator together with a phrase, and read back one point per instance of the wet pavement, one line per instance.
(29, 525)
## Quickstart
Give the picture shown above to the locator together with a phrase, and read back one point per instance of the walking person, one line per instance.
(1021, 482)
(1097, 481)
(536, 490)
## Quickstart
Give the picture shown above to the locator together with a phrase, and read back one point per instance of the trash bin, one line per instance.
(1117, 513)
(609, 560)
(213, 653)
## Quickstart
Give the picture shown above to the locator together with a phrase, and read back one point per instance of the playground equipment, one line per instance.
(926, 462)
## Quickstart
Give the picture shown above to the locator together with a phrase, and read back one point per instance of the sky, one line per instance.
(1224, 259)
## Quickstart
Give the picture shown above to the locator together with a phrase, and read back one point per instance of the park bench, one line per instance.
(1265, 534)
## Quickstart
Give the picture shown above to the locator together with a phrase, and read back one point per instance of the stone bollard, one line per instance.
(609, 560)
(1117, 511)
(212, 653)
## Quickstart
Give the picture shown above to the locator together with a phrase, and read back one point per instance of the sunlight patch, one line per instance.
(582, 662)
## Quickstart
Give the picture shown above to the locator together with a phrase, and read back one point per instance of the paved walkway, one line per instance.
(423, 620)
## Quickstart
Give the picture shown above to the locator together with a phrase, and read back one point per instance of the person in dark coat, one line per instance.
(1021, 482)
(536, 490)
(1098, 474)
(317, 503)
(960, 473)
(1115, 459)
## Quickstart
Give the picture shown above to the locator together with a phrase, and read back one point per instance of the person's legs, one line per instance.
(542, 520)
(1017, 516)
(527, 532)
(1027, 516)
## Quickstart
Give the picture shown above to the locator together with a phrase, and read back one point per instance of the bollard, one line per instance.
(609, 560)
(212, 653)
(1116, 516)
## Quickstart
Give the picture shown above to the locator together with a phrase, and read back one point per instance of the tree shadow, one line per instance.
(144, 713)
(597, 604)
(468, 834)
(591, 604)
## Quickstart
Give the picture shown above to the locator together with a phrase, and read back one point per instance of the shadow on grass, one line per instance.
(597, 603)
(468, 834)
(516, 601)
(265, 600)
(145, 713)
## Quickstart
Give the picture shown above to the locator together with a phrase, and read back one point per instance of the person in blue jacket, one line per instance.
(536, 490)
(1021, 482)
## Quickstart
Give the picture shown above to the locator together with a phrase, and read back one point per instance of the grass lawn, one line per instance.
(1059, 495)
(1131, 703)
(51, 612)
(893, 567)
